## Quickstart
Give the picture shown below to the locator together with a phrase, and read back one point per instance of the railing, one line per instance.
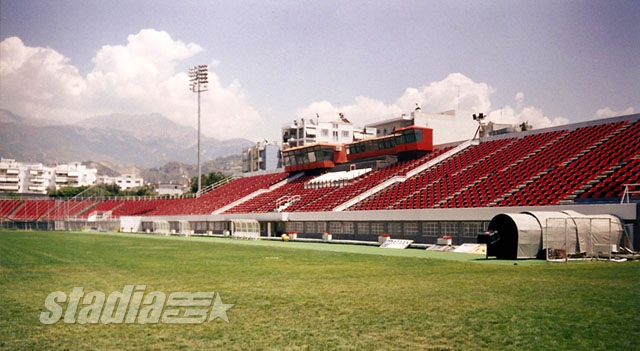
(628, 192)
(85, 195)
(285, 201)
(214, 185)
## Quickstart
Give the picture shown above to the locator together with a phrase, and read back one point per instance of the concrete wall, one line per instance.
(445, 220)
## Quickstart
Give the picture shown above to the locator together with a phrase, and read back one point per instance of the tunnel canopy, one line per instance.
(525, 235)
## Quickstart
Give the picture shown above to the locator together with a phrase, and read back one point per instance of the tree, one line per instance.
(525, 126)
(101, 190)
(207, 180)
(67, 191)
(139, 191)
(110, 189)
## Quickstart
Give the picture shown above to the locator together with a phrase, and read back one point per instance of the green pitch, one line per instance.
(317, 296)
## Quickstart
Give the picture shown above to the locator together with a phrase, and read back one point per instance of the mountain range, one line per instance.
(146, 141)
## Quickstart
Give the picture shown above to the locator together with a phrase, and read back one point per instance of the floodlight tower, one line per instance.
(198, 83)
(481, 127)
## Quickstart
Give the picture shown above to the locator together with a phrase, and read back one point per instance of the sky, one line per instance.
(545, 62)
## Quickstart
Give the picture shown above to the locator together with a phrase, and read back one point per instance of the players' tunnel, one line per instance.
(525, 235)
(516, 235)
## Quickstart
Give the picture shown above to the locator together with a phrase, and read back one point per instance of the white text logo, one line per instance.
(133, 305)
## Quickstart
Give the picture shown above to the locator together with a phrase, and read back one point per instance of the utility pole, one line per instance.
(198, 83)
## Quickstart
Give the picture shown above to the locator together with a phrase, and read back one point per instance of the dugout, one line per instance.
(526, 235)
(245, 228)
(161, 227)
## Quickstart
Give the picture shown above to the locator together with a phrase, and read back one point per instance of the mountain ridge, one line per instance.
(150, 140)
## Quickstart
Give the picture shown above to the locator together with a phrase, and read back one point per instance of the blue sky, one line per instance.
(548, 62)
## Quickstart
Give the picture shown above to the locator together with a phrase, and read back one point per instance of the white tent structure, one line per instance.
(245, 229)
(161, 226)
(184, 227)
(596, 230)
(529, 234)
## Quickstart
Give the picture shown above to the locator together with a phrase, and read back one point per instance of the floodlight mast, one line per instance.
(198, 83)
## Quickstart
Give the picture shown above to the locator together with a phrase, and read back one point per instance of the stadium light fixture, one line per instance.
(481, 127)
(198, 83)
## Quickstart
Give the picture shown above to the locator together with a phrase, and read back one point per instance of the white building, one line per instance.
(170, 189)
(36, 178)
(124, 181)
(74, 174)
(448, 126)
(309, 131)
(9, 176)
(264, 156)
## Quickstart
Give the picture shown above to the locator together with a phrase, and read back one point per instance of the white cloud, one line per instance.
(530, 114)
(142, 76)
(608, 112)
(519, 99)
(454, 92)
(139, 77)
(37, 81)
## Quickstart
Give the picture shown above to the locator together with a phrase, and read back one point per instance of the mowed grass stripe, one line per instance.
(346, 248)
(316, 299)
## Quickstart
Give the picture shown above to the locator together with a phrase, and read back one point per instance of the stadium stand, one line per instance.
(453, 189)
(617, 163)
(536, 169)
(428, 185)
(267, 202)
(102, 206)
(137, 207)
(567, 169)
(7, 207)
(33, 209)
(69, 208)
(627, 172)
(218, 197)
(325, 199)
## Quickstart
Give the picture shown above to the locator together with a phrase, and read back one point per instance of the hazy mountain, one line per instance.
(177, 170)
(125, 140)
(8, 117)
(171, 171)
(144, 127)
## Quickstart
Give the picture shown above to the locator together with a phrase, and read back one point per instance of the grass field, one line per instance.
(317, 296)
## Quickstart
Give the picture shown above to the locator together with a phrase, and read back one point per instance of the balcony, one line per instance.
(9, 179)
(9, 187)
(13, 171)
(37, 188)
